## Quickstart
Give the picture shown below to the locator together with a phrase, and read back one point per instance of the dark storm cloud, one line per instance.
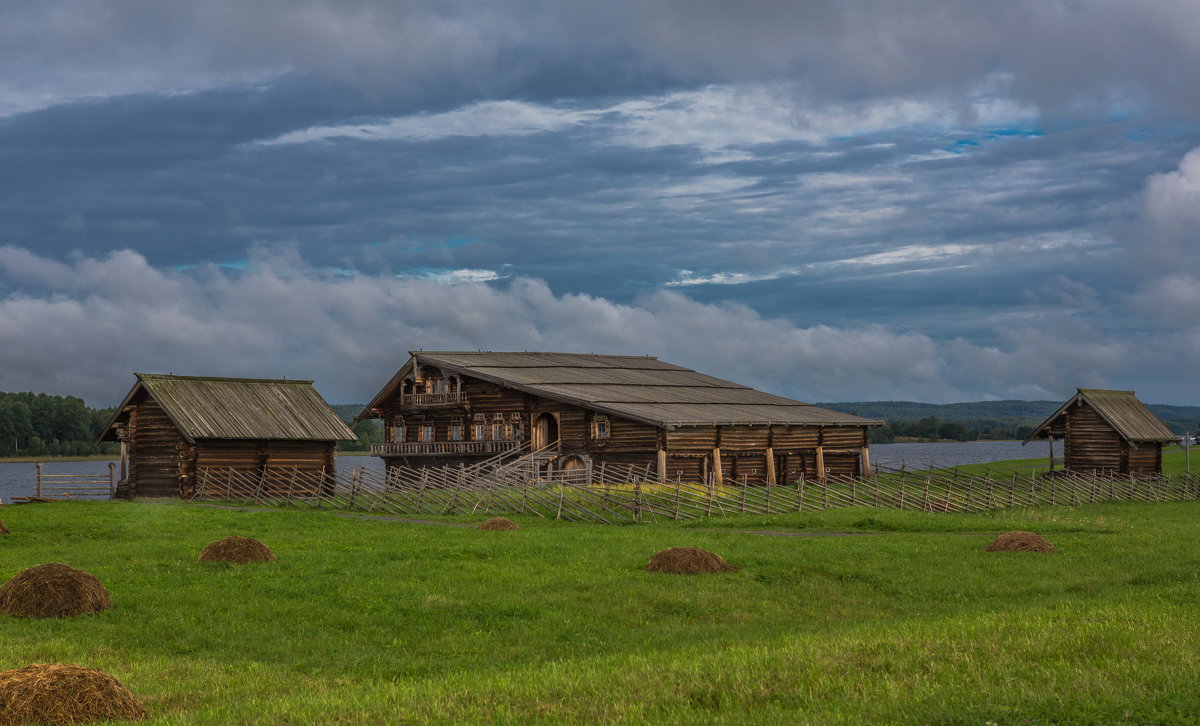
(921, 200)
(1059, 54)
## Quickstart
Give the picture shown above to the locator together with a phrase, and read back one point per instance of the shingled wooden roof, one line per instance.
(642, 388)
(1121, 409)
(239, 408)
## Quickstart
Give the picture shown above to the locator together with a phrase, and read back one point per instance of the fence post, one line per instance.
(39, 480)
(112, 480)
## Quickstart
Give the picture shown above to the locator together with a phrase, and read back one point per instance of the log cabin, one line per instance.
(1109, 432)
(458, 408)
(172, 429)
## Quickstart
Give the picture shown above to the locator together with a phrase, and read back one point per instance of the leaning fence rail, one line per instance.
(519, 483)
(69, 486)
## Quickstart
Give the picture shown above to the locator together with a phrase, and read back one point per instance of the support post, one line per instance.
(866, 461)
(1050, 439)
(718, 470)
(771, 466)
(39, 479)
(112, 479)
(662, 465)
(821, 464)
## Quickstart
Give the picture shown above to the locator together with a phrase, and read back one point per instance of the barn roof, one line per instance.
(641, 388)
(239, 408)
(1121, 409)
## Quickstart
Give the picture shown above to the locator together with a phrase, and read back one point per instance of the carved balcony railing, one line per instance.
(443, 448)
(432, 399)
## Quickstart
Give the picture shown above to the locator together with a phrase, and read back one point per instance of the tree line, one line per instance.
(930, 428)
(38, 424)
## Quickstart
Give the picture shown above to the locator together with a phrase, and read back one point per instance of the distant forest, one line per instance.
(38, 424)
(981, 420)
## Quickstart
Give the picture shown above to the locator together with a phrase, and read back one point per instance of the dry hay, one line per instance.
(1020, 542)
(56, 694)
(688, 561)
(238, 550)
(53, 591)
(498, 523)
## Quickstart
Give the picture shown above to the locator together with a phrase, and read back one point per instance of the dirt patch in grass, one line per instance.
(238, 550)
(498, 523)
(53, 590)
(64, 694)
(688, 561)
(1020, 542)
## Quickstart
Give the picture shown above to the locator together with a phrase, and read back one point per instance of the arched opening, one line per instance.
(545, 431)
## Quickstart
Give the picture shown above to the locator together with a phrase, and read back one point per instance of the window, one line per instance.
(456, 429)
(427, 432)
(518, 427)
(398, 426)
(480, 424)
(600, 427)
(498, 427)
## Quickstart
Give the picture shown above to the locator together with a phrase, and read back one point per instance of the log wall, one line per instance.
(1091, 443)
(154, 451)
(689, 450)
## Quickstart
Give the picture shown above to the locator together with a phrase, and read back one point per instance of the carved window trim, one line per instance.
(601, 428)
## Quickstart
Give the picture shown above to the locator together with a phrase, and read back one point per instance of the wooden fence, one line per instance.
(69, 486)
(517, 483)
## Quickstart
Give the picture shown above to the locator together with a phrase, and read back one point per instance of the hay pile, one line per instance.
(498, 523)
(53, 591)
(57, 694)
(238, 550)
(1020, 542)
(688, 561)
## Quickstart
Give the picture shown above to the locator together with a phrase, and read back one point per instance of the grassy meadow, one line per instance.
(373, 621)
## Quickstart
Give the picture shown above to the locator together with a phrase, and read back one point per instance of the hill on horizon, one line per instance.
(1180, 419)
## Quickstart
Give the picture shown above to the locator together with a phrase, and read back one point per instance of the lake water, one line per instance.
(19, 480)
(941, 455)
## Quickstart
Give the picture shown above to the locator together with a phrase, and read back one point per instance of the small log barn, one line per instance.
(1106, 432)
(172, 428)
(452, 408)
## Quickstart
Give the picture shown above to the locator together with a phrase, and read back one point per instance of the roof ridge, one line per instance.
(222, 379)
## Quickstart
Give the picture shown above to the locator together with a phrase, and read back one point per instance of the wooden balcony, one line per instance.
(453, 398)
(443, 448)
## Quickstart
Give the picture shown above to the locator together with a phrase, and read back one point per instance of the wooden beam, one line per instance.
(662, 465)
(771, 465)
(866, 461)
(821, 464)
(718, 470)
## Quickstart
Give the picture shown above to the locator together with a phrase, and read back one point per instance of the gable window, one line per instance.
(600, 428)
(456, 429)
(480, 425)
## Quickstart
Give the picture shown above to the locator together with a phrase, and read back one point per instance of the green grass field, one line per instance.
(367, 621)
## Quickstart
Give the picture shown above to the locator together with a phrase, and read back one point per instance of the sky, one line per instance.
(834, 200)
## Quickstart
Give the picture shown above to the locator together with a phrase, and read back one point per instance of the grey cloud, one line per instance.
(1064, 56)
(282, 318)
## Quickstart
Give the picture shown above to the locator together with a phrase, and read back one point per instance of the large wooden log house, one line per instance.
(452, 408)
(174, 428)
(1109, 432)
